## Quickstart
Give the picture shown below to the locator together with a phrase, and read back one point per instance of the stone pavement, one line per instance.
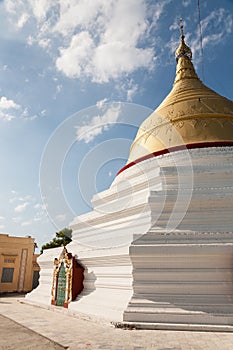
(87, 333)
(14, 336)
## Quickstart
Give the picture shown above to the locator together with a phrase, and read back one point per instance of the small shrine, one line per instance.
(67, 279)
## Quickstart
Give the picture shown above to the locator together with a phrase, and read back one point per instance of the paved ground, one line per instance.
(14, 336)
(85, 333)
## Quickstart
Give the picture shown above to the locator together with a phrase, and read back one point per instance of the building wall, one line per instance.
(17, 263)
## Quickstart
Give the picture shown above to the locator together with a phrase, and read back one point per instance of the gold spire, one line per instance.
(184, 68)
(183, 49)
(191, 114)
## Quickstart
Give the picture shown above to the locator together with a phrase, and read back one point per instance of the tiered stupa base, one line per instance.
(180, 282)
(175, 267)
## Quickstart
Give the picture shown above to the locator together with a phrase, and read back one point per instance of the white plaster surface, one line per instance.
(158, 245)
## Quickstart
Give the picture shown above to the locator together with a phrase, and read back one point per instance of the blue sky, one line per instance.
(63, 67)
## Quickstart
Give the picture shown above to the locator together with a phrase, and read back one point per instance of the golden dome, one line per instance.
(192, 115)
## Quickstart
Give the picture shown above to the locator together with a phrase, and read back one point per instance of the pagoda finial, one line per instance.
(183, 49)
(181, 29)
(184, 68)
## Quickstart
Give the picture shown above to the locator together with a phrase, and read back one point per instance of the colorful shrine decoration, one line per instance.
(68, 276)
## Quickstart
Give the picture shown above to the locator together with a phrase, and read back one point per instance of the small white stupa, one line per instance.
(157, 248)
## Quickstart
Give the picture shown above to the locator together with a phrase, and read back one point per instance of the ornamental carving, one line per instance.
(67, 279)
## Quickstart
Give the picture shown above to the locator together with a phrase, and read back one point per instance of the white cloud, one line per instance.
(2, 218)
(173, 44)
(118, 52)
(100, 40)
(26, 223)
(27, 115)
(58, 88)
(22, 20)
(2, 227)
(115, 59)
(36, 212)
(61, 217)
(37, 218)
(7, 104)
(11, 5)
(215, 26)
(32, 117)
(176, 25)
(17, 219)
(127, 89)
(131, 91)
(25, 112)
(105, 40)
(40, 214)
(98, 124)
(75, 59)
(186, 3)
(21, 207)
(44, 43)
(38, 206)
(80, 13)
(157, 9)
(4, 67)
(18, 198)
(43, 112)
(40, 8)
(30, 40)
(102, 103)
(6, 116)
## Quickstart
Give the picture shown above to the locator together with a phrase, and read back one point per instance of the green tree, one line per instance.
(62, 238)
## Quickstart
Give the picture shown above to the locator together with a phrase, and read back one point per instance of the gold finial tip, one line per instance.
(181, 29)
(183, 49)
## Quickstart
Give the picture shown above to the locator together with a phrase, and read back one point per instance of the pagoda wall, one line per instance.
(158, 245)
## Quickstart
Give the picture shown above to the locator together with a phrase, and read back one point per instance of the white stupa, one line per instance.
(158, 246)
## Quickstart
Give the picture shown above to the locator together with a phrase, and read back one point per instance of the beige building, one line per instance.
(19, 270)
